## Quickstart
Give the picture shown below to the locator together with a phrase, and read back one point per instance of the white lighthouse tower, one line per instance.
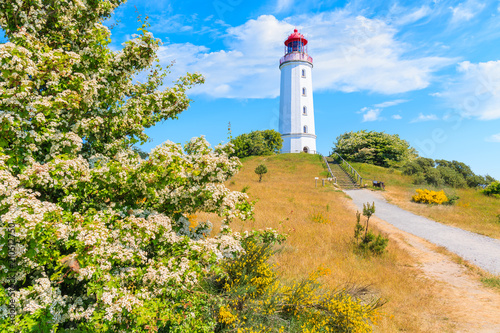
(296, 97)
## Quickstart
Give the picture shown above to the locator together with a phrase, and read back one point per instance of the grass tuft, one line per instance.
(492, 282)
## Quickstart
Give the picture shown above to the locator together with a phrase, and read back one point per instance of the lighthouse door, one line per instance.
(306, 150)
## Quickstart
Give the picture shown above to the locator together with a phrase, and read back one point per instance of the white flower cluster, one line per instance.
(93, 230)
(58, 173)
(42, 296)
(114, 242)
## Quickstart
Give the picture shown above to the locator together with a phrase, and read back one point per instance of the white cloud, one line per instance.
(405, 16)
(476, 91)
(350, 54)
(465, 11)
(283, 5)
(248, 69)
(371, 114)
(357, 53)
(428, 117)
(390, 103)
(397, 117)
(166, 23)
(494, 138)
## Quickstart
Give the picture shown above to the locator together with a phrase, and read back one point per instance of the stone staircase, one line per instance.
(344, 180)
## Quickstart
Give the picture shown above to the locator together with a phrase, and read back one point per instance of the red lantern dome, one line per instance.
(296, 37)
(296, 49)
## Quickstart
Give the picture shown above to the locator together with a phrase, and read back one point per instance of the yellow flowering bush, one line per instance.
(257, 300)
(226, 316)
(340, 313)
(251, 269)
(429, 197)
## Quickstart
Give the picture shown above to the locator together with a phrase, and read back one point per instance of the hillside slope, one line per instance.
(474, 211)
(320, 222)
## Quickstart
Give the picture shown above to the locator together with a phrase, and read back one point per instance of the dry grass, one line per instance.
(474, 211)
(489, 280)
(320, 227)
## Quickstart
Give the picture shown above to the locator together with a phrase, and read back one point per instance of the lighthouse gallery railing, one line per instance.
(296, 56)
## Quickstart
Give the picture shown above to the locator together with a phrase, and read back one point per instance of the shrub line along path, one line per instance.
(482, 251)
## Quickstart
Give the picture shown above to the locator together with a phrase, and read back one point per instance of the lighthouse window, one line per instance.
(303, 73)
(304, 110)
(303, 91)
(305, 129)
(295, 46)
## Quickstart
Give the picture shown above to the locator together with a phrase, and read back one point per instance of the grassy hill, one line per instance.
(474, 211)
(320, 224)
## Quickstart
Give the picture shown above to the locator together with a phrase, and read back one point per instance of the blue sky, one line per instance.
(428, 70)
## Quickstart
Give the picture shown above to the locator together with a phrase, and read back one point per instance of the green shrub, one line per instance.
(419, 178)
(368, 243)
(373, 244)
(452, 199)
(493, 190)
(257, 143)
(260, 170)
(433, 177)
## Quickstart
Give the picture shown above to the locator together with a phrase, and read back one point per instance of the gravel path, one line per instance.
(480, 250)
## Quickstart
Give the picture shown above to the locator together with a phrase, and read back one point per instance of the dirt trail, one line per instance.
(473, 307)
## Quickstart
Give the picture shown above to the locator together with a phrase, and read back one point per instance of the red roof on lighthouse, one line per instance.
(296, 36)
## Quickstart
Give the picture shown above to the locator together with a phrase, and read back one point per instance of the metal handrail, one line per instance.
(349, 169)
(329, 170)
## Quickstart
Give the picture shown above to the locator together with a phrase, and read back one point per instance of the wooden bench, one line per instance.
(379, 184)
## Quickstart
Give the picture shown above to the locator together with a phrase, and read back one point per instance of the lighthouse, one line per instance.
(296, 123)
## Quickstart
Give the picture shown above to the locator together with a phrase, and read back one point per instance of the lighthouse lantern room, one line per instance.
(296, 123)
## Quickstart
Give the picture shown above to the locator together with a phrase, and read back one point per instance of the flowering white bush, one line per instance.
(93, 237)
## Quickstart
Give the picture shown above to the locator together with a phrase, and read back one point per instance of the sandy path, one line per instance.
(473, 307)
(480, 250)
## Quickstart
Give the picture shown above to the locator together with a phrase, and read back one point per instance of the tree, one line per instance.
(273, 140)
(261, 169)
(369, 243)
(368, 211)
(442, 172)
(452, 177)
(418, 165)
(98, 238)
(377, 148)
(257, 143)
(433, 177)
